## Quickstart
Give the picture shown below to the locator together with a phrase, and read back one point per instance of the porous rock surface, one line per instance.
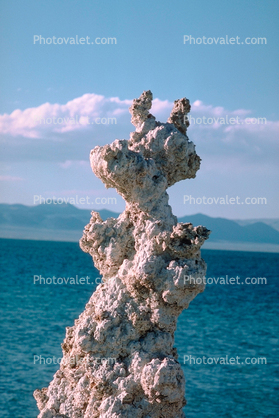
(118, 358)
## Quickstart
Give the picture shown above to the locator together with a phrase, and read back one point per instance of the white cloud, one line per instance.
(41, 121)
(242, 142)
(70, 163)
(233, 136)
(87, 112)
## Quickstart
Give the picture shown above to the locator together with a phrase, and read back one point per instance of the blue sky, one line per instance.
(63, 80)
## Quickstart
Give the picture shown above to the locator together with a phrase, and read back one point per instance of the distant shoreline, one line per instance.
(73, 236)
(65, 223)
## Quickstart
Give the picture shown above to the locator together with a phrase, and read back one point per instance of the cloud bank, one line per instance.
(80, 124)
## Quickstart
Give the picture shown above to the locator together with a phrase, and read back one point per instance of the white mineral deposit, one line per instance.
(118, 358)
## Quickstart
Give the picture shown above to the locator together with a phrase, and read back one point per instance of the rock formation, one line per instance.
(118, 358)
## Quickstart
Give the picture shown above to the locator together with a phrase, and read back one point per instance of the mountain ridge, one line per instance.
(67, 221)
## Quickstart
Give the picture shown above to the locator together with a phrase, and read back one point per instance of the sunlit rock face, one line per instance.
(118, 358)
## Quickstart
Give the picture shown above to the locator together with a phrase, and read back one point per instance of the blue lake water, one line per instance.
(225, 320)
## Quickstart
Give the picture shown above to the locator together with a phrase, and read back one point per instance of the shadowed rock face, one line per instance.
(118, 358)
